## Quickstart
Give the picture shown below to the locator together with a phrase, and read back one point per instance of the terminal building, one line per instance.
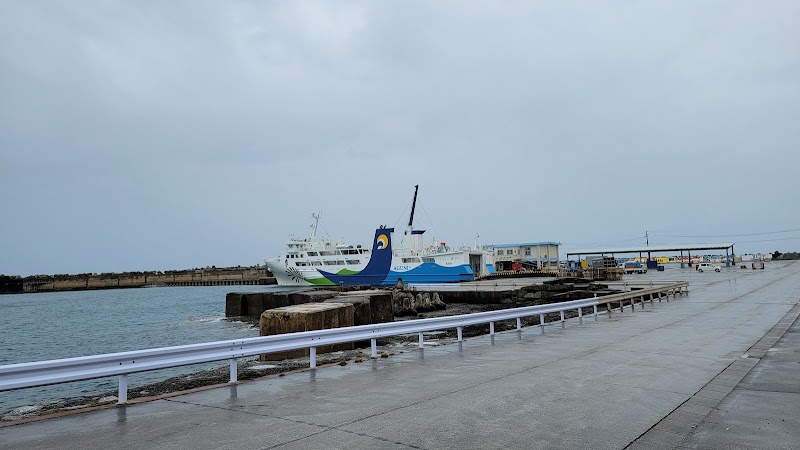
(530, 255)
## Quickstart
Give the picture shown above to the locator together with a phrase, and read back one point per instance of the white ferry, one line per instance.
(325, 262)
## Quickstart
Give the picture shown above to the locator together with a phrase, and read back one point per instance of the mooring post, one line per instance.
(122, 393)
(234, 370)
(373, 343)
(313, 357)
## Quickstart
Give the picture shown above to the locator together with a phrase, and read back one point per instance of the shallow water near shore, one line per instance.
(43, 326)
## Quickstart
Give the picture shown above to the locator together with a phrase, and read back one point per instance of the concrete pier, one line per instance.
(716, 368)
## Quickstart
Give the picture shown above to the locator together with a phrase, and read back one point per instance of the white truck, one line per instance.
(634, 267)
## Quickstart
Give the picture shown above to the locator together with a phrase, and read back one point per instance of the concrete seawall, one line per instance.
(197, 277)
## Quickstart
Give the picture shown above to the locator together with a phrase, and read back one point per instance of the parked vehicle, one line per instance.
(634, 267)
(708, 266)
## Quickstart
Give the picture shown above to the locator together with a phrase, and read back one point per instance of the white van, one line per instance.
(707, 266)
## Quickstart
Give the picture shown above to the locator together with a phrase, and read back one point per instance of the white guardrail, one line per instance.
(41, 373)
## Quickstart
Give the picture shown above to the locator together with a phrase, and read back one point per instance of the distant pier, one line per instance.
(232, 276)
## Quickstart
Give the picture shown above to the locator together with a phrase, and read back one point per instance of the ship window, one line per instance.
(366, 252)
(426, 259)
(410, 260)
(312, 253)
(353, 261)
(327, 253)
(330, 263)
(340, 262)
(315, 263)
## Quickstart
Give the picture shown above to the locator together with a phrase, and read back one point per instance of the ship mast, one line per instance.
(316, 217)
(413, 206)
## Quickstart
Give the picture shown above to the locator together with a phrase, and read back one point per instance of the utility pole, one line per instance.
(647, 243)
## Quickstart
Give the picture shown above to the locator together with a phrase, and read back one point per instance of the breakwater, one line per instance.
(228, 276)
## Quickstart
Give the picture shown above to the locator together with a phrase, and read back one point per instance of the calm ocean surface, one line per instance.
(35, 327)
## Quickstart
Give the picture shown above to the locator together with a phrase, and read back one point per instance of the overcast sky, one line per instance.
(151, 135)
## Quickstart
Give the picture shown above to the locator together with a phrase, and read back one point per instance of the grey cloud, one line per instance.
(205, 132)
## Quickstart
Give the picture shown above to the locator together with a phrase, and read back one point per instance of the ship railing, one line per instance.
(42, 373)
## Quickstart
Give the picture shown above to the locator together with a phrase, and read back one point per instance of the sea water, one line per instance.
(53, 325)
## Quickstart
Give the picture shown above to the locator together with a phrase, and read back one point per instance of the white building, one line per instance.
(531, 254)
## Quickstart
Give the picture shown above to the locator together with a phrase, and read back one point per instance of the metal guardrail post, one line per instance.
(421, 340)
(541, 322)
(122, 392)
(580, 315)
(595, 313)
(373, 343)
(519, 324)
(234, 371)
(312, 356)
(460, 333)
(562, 318)
(491, 328)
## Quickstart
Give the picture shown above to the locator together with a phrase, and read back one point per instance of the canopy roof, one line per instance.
(653, 249)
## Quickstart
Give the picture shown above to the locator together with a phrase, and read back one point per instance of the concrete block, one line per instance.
(311, 296)
(306, 317)
(368, 306)
(234, 306)
(254, 303)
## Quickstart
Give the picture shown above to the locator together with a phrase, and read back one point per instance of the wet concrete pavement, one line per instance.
(714, 369)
